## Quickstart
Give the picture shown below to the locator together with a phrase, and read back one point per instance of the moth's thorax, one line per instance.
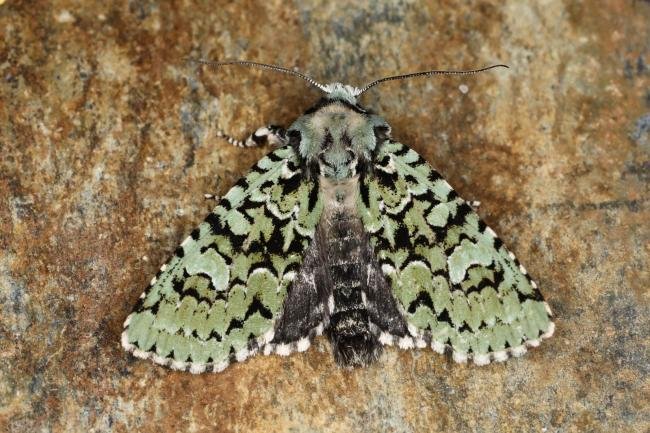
(337, 135)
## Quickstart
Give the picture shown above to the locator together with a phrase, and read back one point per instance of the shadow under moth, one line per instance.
(340, 231)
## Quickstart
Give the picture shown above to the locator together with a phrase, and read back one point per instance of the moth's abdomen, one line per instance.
(352, 341)
(349, 330)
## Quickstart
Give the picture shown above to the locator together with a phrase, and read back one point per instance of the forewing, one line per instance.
(219, 297)
(455, 282)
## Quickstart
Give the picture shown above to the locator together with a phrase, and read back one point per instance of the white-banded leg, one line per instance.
(208, 196)
(271, 134)
(475, 204)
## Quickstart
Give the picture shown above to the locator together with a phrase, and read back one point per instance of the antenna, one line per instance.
(428, 73)
(261, 66)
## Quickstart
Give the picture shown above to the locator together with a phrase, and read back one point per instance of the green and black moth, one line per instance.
(340, 231)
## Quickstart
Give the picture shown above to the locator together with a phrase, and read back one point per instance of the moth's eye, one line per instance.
(382, 133)
(294, 137)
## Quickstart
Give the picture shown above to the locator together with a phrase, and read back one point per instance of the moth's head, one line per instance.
(341, 91)
(337, 134)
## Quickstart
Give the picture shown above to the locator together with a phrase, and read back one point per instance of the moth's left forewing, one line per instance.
(457, 285)
(218, 299)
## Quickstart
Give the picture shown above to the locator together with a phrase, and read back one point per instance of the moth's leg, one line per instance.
(208, 196)
(271, 134)
(475, 204)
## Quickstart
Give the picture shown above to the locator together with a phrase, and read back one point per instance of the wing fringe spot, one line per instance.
(386, 339)
(483, 359)
(406, 342)
(460, 357)
(303, 344)
(438, 347)
(500, 355)
(549, 332)
(283, 349)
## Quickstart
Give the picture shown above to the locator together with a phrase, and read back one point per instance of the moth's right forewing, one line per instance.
(456, 284)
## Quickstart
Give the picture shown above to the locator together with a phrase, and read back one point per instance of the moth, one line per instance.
(340, 231)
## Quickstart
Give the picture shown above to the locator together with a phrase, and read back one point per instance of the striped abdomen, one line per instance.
(345, 276)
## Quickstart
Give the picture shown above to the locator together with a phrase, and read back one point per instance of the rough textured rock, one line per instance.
(107, 144)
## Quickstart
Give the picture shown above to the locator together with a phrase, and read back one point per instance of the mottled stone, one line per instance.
(107, 145)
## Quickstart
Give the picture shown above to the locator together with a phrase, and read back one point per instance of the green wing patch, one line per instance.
(218, 298)
(456, 283)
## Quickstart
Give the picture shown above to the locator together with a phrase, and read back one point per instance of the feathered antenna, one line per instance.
(261, 66)
(428, 73)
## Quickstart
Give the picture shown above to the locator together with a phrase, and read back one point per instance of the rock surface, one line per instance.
(107, 145)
